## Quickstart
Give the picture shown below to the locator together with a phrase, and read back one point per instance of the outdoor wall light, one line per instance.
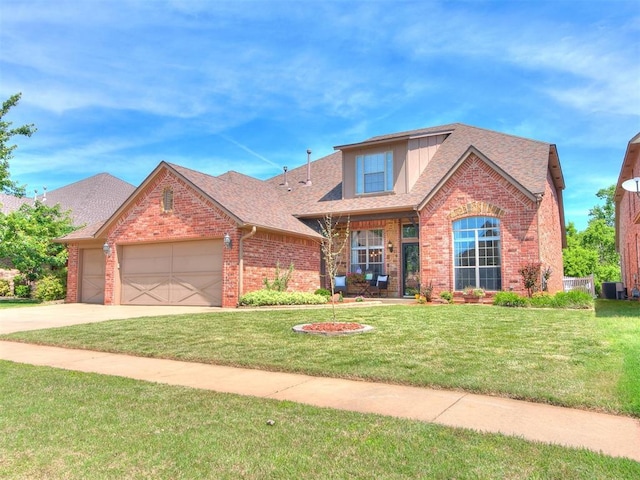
(106, 249)
(632, 185)
(227, 241)
(390, 246)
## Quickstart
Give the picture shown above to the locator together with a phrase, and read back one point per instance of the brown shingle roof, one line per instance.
(525, 161)
(89, 201)
(251, 201)
(9, 203)
(92, 199)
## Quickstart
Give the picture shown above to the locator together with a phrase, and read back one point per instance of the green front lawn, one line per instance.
(588, 359)
(72, 425)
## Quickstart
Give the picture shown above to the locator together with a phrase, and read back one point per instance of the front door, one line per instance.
(410, 269)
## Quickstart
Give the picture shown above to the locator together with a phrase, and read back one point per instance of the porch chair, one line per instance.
(340, 284)
(382, 283)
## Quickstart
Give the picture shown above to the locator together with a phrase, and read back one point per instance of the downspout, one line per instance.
(241, 260)
(539, 197)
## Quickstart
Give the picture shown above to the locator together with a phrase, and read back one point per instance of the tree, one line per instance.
(6, 151)
(333, 245)
(606, 212)
(26, 239)
(593, 250)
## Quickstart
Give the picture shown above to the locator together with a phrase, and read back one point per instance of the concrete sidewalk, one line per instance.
(612, 435)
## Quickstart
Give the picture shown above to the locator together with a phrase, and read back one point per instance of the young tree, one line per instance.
(334, 243)
(25, 239)
(6, 151)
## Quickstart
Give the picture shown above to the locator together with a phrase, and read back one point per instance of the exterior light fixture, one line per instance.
(390, 246)
(106, 249)
(632, 185)
(227, 241)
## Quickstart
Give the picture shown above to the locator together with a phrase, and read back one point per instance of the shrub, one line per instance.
(531, 277)
(544, 300)
(49, 288)
(281, 280)
(5, 288)
(265, 297)
(22, 291)
(448, 296)
(574, 299)
(510, 299)
(323, 291)
(474, 292)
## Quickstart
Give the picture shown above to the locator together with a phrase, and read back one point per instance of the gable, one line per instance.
(472, 154)
(148, 218)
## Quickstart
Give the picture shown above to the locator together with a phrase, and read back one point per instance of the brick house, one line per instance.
(452, 206)
(628, 217)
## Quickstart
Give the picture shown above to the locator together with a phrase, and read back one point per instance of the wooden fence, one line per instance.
(584, 283)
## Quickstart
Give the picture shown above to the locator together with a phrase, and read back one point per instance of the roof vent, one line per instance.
(285, 182)
(308, 183)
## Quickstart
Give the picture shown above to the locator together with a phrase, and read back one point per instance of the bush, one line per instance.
(448, 296)
(323, 291)
(5, 288)
(544, 300)
(22, 291)
(281, 280)
(574, 299)
(510, 299)
(49, 288)
(263, 297)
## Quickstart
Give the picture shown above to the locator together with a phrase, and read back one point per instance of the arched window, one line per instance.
(476, 253)
(167, 200)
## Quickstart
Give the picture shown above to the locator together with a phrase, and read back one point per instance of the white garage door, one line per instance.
(181, 273)
(92, 286)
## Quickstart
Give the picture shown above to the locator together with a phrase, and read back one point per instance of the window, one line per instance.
(367, 251)
(167, 200)
(476, 250)
(409, 231)
(374, 173)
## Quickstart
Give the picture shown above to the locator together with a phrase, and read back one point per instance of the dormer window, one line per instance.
(374, 173)
(167, 200)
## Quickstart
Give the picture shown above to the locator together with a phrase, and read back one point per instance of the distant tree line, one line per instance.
(594, 249)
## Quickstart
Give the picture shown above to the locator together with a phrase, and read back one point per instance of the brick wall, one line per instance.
(73, 272)
(263, 251)
(550, 236)
(476, 189)
(629, 234)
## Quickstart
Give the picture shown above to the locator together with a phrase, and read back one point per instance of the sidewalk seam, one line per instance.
(288, 388)
(450, 407)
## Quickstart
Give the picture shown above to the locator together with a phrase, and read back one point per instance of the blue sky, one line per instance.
(120, 85)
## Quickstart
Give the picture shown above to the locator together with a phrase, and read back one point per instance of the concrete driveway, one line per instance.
(60, 315)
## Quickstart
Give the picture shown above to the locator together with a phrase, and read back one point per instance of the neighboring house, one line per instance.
(628, 218)
(452, 206)
(10, 203)
(88, 201)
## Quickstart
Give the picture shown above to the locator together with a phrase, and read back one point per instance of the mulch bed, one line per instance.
(332, 328)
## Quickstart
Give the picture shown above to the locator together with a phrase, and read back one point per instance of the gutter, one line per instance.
(241, 259)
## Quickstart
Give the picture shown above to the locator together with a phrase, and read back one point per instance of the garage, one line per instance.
(180, 273)
(92, 287)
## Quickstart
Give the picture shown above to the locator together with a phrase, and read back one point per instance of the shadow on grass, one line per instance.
(617, 308)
